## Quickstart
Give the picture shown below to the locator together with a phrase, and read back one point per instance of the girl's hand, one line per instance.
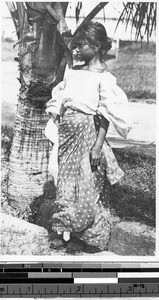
(95, 156)
(55, 117)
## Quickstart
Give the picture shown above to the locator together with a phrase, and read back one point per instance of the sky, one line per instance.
(112, 9)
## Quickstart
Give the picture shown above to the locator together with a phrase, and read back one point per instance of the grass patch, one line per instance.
(9, 52)
(135, 70)
(133, 198)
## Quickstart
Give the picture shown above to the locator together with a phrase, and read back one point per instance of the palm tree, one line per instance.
(42, 38)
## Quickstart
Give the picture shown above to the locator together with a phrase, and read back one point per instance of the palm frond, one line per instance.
(153, 24)
(92, 14)
(78, 10)
(22, 17)
(14, 13)
(122, 16)
(141, 15)
(129, 15)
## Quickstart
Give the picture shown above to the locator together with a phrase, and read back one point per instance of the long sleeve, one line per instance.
(114, 106)
(51, 130)
(54, 104)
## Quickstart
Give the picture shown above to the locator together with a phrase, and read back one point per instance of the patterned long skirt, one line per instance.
(81, 204)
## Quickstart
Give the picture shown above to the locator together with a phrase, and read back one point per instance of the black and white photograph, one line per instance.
(78, 130)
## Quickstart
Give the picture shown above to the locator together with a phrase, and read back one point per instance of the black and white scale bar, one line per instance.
(68, 267)
(36, 280)
(138, 274)
(151, 277)
(22, 270)
(82, 280)
(58, 275)
(13, 275)
(79, 275)
(79, 270)
(82, 270)
(139, 280)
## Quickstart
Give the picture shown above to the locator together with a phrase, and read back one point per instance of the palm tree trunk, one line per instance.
(29, 155)
(39, 59)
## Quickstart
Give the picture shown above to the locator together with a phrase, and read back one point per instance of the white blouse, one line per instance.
(93, 93)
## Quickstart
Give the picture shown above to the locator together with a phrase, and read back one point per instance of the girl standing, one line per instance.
(85, 102)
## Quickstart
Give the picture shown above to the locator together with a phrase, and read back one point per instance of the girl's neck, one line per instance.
(94, 65)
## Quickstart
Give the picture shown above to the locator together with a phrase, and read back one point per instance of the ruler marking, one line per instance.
(135, 286)
(90, 291)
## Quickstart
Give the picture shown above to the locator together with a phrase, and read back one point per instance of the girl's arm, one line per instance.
(95, 153)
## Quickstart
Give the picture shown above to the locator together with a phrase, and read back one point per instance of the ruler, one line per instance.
(78, 280)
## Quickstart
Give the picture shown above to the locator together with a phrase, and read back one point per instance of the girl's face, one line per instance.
(83, 51)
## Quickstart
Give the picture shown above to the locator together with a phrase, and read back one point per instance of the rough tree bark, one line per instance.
(38, 26)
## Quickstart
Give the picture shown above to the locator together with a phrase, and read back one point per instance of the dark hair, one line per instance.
(94, 34)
